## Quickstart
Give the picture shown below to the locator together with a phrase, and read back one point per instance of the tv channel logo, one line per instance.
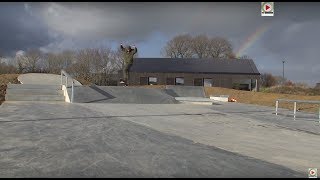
(312, 173)
(267, 8)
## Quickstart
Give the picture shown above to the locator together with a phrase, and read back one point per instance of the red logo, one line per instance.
(267, 7)
(312, 172)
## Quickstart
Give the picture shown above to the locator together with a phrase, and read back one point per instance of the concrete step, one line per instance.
(34, 92)
(33, 86)
(10, 97)
(195, 100)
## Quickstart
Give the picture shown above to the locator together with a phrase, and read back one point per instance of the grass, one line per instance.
(265, 98)
(296, 90)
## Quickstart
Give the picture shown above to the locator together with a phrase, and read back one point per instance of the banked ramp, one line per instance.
(119, 94)
(185, 91)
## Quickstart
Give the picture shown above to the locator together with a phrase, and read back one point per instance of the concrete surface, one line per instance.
(119, 94)
(47, 139)
(44, 79)
(268, 140)
(185, 91)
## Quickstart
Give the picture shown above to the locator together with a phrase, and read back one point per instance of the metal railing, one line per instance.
(66, 75)
(295, 105)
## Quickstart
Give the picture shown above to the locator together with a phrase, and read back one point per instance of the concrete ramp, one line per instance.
(185, 91)
(119, 94)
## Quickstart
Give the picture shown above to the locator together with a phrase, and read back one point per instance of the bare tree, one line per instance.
(220, 48)
(82, 66)
(29, 61)
(200, 46)
(33, 56)
(6, 67)
(94, 65)
(54, 63)
(268, 80)
(67, 58)
(178, 47)
(20, 62)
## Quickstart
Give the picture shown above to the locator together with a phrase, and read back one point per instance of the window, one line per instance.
(152, 81)
(143, 81)
(207, 82)
(170, 81)
(198, 82)
(179, 81)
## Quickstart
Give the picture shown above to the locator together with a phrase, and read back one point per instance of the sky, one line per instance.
(291, 35)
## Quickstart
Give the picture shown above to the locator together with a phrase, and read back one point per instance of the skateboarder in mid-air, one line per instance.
(128, 54)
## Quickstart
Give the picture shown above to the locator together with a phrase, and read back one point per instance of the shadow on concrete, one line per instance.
(98, 117)
(97, 89)
(171, 92)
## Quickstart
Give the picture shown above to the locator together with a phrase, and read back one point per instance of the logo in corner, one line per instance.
(312, 173)
(267, 8)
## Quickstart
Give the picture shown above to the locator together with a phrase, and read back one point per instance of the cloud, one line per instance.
(137, 21)
(292, 35)
(19, 30)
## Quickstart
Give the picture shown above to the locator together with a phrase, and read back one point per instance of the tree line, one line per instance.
(199, 46)
(96, 65)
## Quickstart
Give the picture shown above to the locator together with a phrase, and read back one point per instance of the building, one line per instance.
(237, 74)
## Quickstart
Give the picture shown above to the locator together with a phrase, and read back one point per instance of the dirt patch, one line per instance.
(9, 78)
(4, 80)
(265, 99)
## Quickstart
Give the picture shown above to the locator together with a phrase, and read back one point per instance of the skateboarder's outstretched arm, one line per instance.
(135, 50)
(122, 48)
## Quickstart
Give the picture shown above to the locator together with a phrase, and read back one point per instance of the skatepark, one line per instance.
(112, 131)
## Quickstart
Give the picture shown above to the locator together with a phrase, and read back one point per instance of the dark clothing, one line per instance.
(125, 72)
(128, 54)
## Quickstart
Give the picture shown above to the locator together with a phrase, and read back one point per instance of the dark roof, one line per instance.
(178, 65)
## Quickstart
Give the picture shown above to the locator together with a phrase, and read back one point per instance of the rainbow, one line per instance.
(252, 39)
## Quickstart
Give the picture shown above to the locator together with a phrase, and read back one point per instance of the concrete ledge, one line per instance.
(220, 98)
(195, 100)
(198, 99)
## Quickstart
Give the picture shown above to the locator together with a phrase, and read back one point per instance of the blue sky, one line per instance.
(292, 36)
